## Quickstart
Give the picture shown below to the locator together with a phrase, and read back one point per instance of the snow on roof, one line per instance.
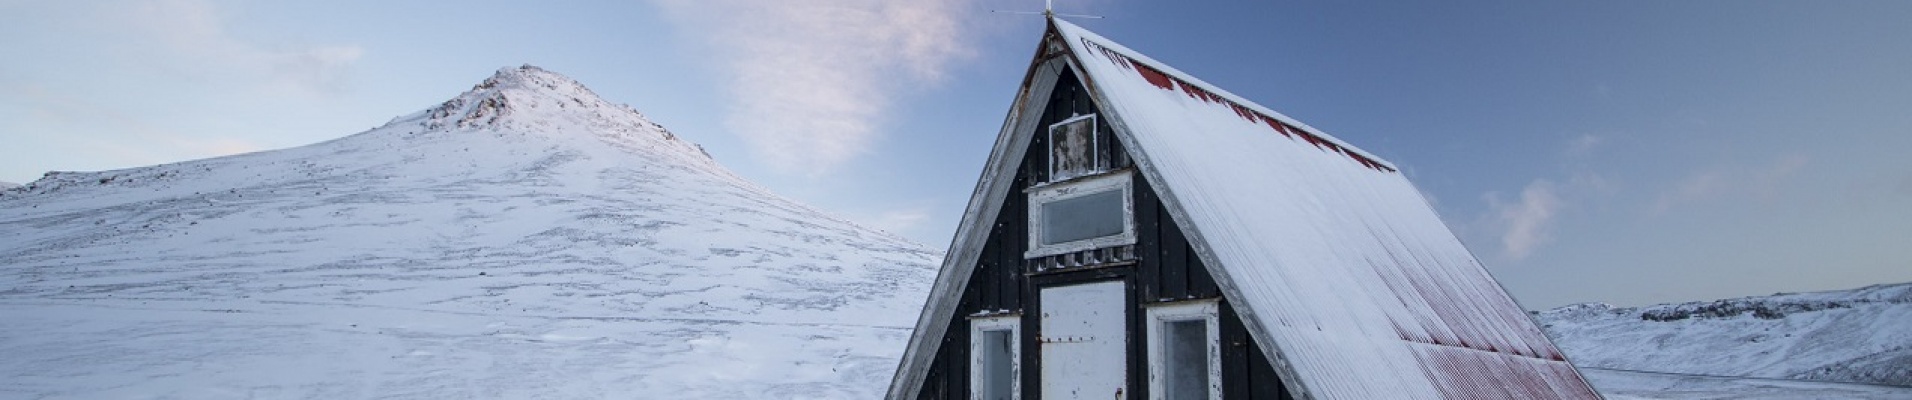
(1170, 79)
(1341, 270)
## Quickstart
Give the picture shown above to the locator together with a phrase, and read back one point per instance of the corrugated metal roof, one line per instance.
(1344, 270)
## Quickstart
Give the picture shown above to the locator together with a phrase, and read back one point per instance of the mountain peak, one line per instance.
(530, 77)
(528, 97)
(497, 101)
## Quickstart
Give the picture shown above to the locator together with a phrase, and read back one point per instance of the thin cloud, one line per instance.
(1695, 187)
(1526, 222)
(810, 81)
(1766, 182)
(190, 37)
(1715, 184)
(110, 132)
(1584, 145)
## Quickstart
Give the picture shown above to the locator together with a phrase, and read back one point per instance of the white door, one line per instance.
(1084, 343)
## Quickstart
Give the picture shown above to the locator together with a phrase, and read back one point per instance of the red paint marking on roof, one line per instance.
(1245, 113)
(1154, 77)
(1165, 81)
(1272, 123)
(1309, 136)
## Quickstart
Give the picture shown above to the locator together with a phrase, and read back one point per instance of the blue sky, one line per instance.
(1624, 151)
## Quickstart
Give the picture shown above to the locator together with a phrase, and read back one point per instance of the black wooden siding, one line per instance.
(1165, 262)
(1166, 270)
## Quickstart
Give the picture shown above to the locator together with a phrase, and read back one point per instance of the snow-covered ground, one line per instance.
(523, 240)
(1628, 385)
(1861, 335)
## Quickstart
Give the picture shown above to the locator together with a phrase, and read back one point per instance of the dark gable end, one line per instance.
(1319, 270)
(1159, 268)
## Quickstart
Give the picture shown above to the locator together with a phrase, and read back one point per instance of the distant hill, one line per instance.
(525, 239)
(1861, 335)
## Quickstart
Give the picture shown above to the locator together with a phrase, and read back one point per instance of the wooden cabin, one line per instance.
(1138, 233)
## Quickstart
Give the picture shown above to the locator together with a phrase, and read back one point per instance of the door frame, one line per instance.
(1032, 321)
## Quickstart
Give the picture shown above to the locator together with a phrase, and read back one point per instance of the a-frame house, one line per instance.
(1138, 233)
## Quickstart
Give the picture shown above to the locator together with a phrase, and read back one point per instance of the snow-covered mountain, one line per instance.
(1861, 335)
(525, 239)
(4, 185)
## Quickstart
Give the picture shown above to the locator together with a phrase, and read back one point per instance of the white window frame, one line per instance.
(1095, 155)
(1052, 193)
(977, 326)
(1158, 318)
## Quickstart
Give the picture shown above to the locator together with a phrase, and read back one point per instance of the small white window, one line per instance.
(1083, 215)
(1072, 148)
(1184, 352)
(995, 358)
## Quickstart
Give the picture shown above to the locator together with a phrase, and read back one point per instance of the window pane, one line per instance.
(997, 365)
(1085, 217)
(1072, 149)
(1186, 348)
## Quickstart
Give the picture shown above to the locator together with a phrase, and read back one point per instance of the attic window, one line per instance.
(1072, 148)
(995, 353)
(1082, 215)
(1184, 352)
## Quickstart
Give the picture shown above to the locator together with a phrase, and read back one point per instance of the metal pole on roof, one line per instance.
(1048, 10)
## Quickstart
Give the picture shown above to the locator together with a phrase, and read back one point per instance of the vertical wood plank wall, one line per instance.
(1166, 270)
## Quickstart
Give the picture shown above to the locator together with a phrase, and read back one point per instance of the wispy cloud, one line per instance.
(1695, 187)
(1524, 223)
(811, 80)
(1584, 145)
(1717, 183)
(118, 83)
(190, 37)
(107, 131)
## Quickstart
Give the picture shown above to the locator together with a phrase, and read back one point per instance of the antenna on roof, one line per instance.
(1048, 10)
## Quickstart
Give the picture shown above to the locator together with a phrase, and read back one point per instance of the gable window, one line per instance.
(1072, 148)
(1184, 352)
(995, 358)
(1081, 215)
